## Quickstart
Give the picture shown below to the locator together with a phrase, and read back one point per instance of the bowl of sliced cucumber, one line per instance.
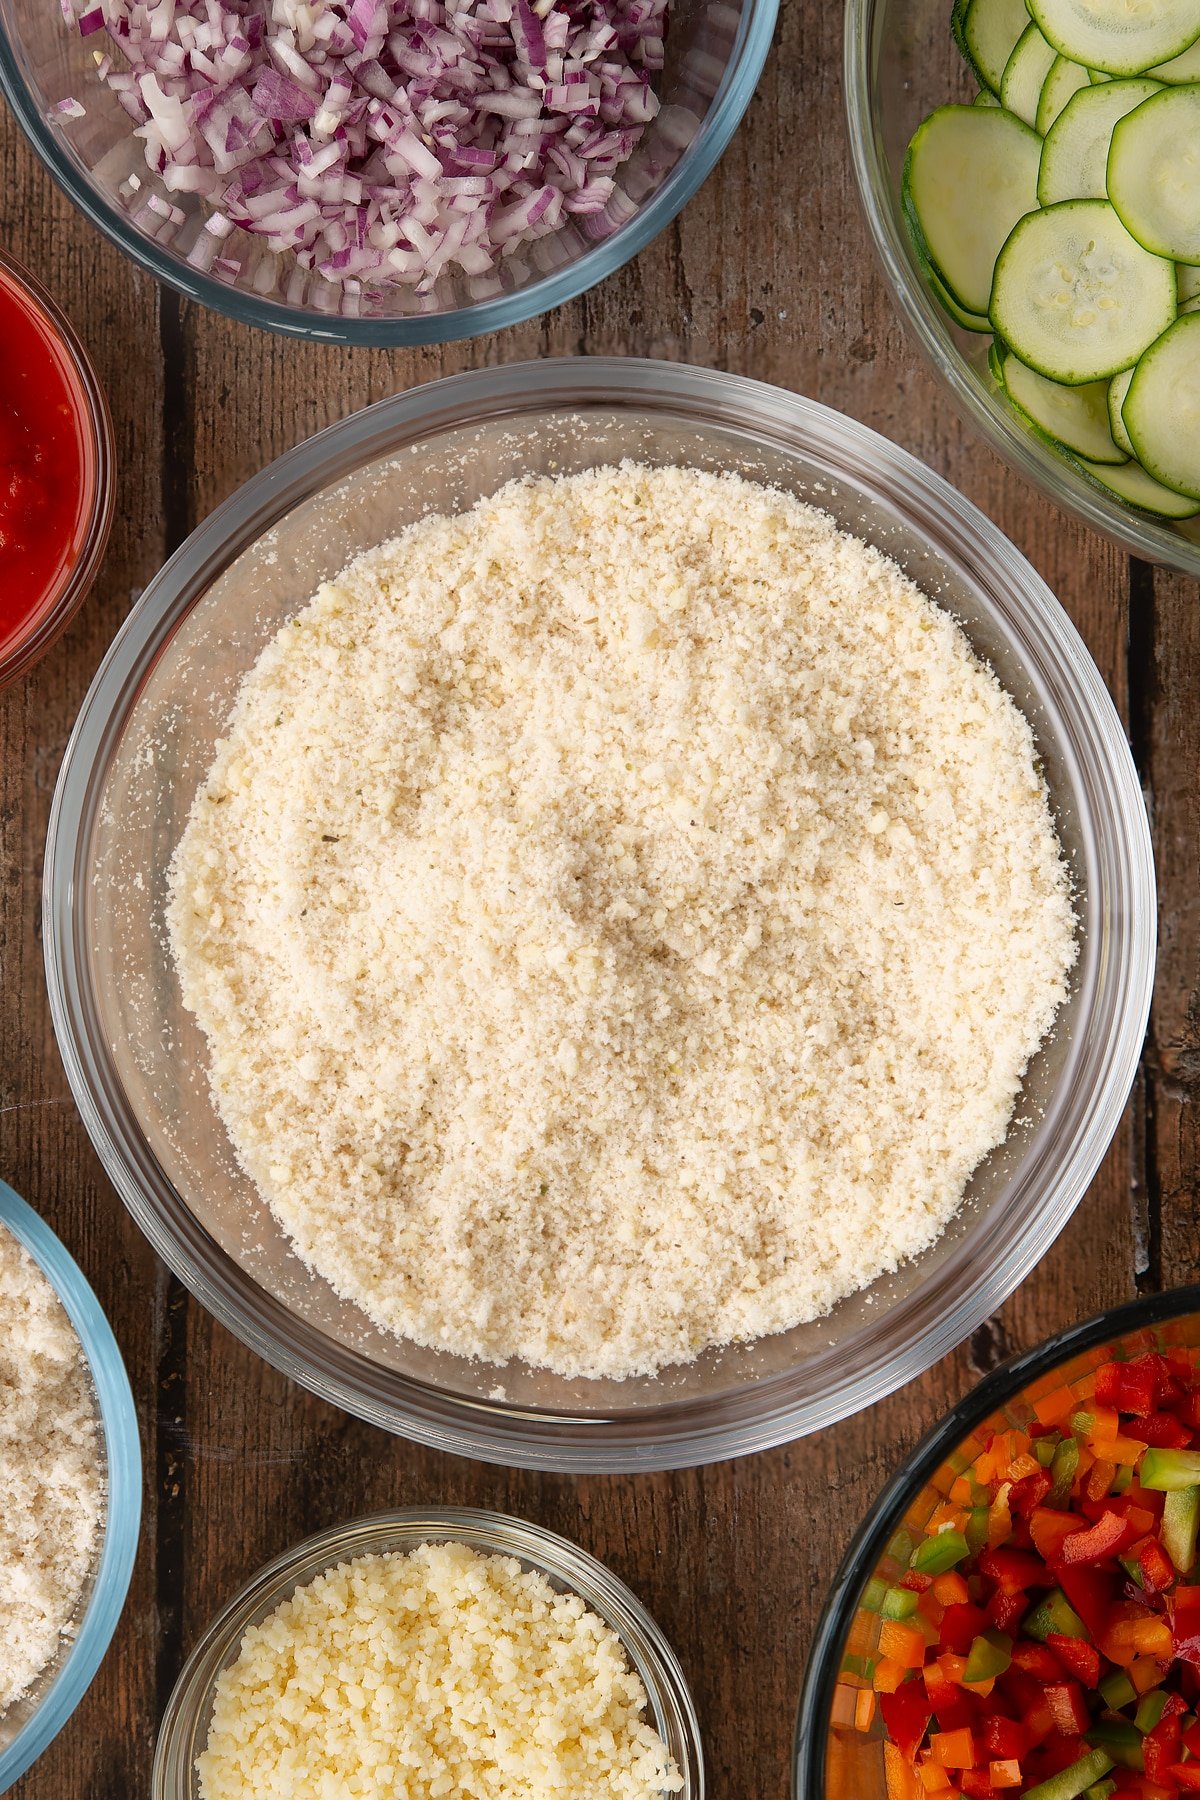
(1031, 174)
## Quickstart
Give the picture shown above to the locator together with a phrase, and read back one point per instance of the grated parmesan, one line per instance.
(621, 917)
(437, 1674)
(51, 1485)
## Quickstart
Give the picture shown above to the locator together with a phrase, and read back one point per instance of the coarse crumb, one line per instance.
(621, 916)
(439, 1674)
(51, 1484)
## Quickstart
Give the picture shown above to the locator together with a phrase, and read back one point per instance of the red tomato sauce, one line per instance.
(47, 465)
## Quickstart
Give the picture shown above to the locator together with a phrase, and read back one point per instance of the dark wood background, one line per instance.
(768, 273)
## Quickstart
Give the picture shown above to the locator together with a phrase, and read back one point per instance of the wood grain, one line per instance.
(734, 1560)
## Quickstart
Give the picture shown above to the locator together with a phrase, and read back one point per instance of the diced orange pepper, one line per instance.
(1122, 1450)
(1100, 1478)
(1022, 1465)
(1127, 1638)
(1106, 1424)
(1056, 1406)
(901, 1777)
(999, 1525)
(954, 1749)
(903, 1643)
(864, 1710)
(1145, 1674)
(1004, 1774)
(952, 1590)
(942, 1515)
(1048, 1529)
(841, 1711)
(931, 1608)
(934, 1778)
(889, 1675)
(962, 1491)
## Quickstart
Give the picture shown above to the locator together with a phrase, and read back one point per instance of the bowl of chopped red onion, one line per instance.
(381, 171)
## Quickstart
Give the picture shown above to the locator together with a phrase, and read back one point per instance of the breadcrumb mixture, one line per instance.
(51, 1484)
(621, 916)
(437, 1674)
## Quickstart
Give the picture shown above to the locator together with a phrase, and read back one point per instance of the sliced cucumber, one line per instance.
(1025, 74)
(1154, 173)
(1075, 296)
(1065, 78)
(1118, 387)
(1130, 482)
(1162, 407)
(1076, 417)
(970, 174)
(989, 34)
(1075, 154)
(1180, 68)
(1120, 37)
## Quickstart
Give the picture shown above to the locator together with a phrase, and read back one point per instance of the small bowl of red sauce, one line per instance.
(56, 471)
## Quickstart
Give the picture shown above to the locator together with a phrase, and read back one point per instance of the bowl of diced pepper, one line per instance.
(1019, 1616)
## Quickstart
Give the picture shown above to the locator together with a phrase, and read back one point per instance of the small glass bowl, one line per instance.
(901, 62)
(99, 457)
(31, 1722)
(833, 1760)
(144, 740)
(184, 1730)
(715, 52)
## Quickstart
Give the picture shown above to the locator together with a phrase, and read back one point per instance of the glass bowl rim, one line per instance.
(871, 1538)
(736, 89)
(123, 1500)
(1131, 531)
(80, 576)
(491, 1533)
(750, 1416)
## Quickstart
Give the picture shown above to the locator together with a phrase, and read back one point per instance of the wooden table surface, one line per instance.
(733, 1560)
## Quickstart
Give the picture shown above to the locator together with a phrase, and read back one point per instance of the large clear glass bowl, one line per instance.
(144, 740)
(184, 1730)
(32, 1722)
(901, 62)
(834, 1761)
(715, 53)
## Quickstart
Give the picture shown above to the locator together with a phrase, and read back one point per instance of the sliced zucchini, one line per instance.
(1162, 408)
(1075, 154)
(1118, 37)
(1130, 482)
(1075, 417)
(970, 174)
(1180, 68)
(1065, 78)
(1188, 278)
(989, 33)
(1025, 74)
(1075, 296)
(1118, 387)
(969, 321)
(958, 25)
(1096, 76)
(1154, 173)
(985, 97)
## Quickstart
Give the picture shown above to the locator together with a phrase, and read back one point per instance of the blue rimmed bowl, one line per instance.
(32, 1722)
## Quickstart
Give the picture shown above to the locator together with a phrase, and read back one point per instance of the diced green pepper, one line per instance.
(900, 1548)
(1054, 1614)
(872, 1595)
(1116, 1690)
(1180, 1522)
(863, 1666)
(1120, 1740)
(1068, 1784)
(977, 1529)
(1044, 1449)
(1166, 1471)
(1122, 1480)
(1150, 1709)
(1102, 1790)
(1062, 1474)
(1132, 1568)
(935, 1555)
(899, 1603)
(990, 1655)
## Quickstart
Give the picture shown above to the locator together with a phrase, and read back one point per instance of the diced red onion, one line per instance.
(384, 140)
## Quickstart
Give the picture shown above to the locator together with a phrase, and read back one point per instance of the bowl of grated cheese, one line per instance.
(216, 739)
(461, 1651)
(71, 1481)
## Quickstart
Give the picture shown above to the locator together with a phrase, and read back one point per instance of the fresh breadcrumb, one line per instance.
(621, 916)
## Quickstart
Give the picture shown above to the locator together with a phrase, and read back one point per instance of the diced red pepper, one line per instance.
(1189, 1410)
(1037, 1660)
(1163, 1432)
(976, 1784)
(1131, 1387)
(1007, 1610)
(1186, 1776)
(1030, 1491)
(1191, 1739)
(1158, 1571)
(1162, 1747)
(954, 1708)
(1068, 1707)
(1013, 1571)
(1048, 1528)
(1107, 1537)
(1004, 1739)
(907, 1714)
(1077, 1656)
(961, 1625)
(916, 1581)
(1091, 1591)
